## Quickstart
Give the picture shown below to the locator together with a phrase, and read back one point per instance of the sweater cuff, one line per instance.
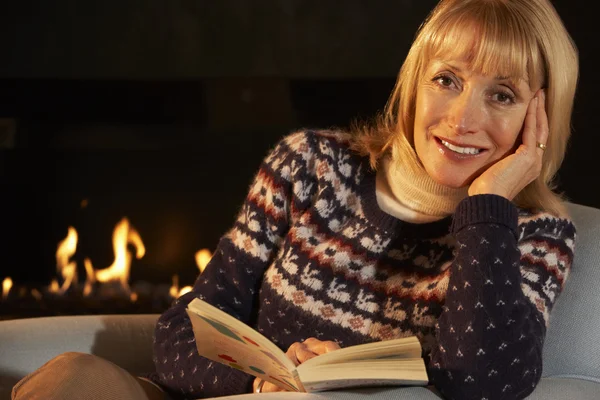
(485, 209)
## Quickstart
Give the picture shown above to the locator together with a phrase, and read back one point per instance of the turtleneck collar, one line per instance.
(401, 186)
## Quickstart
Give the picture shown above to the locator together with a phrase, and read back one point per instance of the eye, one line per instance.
(444, 80)
(504, 97)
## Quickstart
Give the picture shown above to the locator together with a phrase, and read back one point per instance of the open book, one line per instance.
(224, 339)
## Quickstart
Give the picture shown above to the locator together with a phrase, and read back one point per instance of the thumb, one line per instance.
(269, 387)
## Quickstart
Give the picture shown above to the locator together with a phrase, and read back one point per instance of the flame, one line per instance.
(91, 277)
(123, 234)
(67, 270)
(36, 294)
(174, 290)
(7, 283)
(184, 290)
(202, 258)
(53, 288)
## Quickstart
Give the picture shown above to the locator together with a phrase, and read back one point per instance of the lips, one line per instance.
(464, 149)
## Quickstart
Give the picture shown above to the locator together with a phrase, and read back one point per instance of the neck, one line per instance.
(412, 187)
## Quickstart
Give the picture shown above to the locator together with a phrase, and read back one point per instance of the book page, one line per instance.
(365, 374)
(408, 347)
(224, 339)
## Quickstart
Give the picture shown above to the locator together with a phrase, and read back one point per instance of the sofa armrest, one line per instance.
(27, 344)
(571, 346)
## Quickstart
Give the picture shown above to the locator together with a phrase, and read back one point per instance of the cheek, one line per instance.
(509, 135)
(419, 122)
(418, 110)
(425, 114)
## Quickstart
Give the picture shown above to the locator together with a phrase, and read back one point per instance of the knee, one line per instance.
(70, 375)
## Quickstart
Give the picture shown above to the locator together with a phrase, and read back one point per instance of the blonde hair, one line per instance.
(517, 38)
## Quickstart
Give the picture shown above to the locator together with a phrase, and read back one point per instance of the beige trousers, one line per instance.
(84, 377)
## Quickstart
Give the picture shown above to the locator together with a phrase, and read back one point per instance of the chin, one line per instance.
(446, 177)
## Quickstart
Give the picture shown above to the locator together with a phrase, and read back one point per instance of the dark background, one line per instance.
(161, 111)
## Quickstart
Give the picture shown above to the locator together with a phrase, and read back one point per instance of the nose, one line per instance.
(465, 113)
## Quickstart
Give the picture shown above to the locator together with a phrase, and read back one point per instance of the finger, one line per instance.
(530, 124)
(542, 122)
(269, 387)
(330, 346)
(291, 353)
(266, 386)
(321, 347)
(304, 354)
(299, 353)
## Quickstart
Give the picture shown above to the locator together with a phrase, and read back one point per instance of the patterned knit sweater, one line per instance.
(312, 255)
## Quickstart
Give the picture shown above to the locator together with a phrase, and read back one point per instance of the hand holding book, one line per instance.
(299, 352)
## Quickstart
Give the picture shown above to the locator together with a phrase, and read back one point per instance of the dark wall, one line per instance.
(182, 39)
(162, 112)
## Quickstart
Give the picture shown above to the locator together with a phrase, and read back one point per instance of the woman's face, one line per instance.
(465, 121)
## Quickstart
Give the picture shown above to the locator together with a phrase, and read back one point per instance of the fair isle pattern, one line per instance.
(546, 249)
(311, 255)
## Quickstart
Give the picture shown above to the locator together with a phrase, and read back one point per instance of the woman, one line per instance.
(437, 221)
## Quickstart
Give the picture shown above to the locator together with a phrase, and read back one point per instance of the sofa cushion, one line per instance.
(572, 346)
(562, 388)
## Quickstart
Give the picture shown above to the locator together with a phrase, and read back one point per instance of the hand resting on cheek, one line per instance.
(510, 175)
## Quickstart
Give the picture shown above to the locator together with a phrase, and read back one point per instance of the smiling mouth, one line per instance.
(460, 149)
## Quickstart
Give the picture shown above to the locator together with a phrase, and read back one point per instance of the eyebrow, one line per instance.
(512, 80)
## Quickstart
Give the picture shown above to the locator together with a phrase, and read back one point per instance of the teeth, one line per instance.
(461, 150)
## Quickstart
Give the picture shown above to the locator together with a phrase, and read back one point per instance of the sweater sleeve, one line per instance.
(232, 278)
(503, 283)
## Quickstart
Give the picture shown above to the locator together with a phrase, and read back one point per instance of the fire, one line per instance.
(54, 286)
(174, 290)
(91, 277)
(7, 284)
(184, 290)
(36, 294)
(202, 257)
(123, 235)
(118, 272)
(67, 270)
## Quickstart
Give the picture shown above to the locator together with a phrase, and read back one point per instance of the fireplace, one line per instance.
(104, 290)
(116, 192)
